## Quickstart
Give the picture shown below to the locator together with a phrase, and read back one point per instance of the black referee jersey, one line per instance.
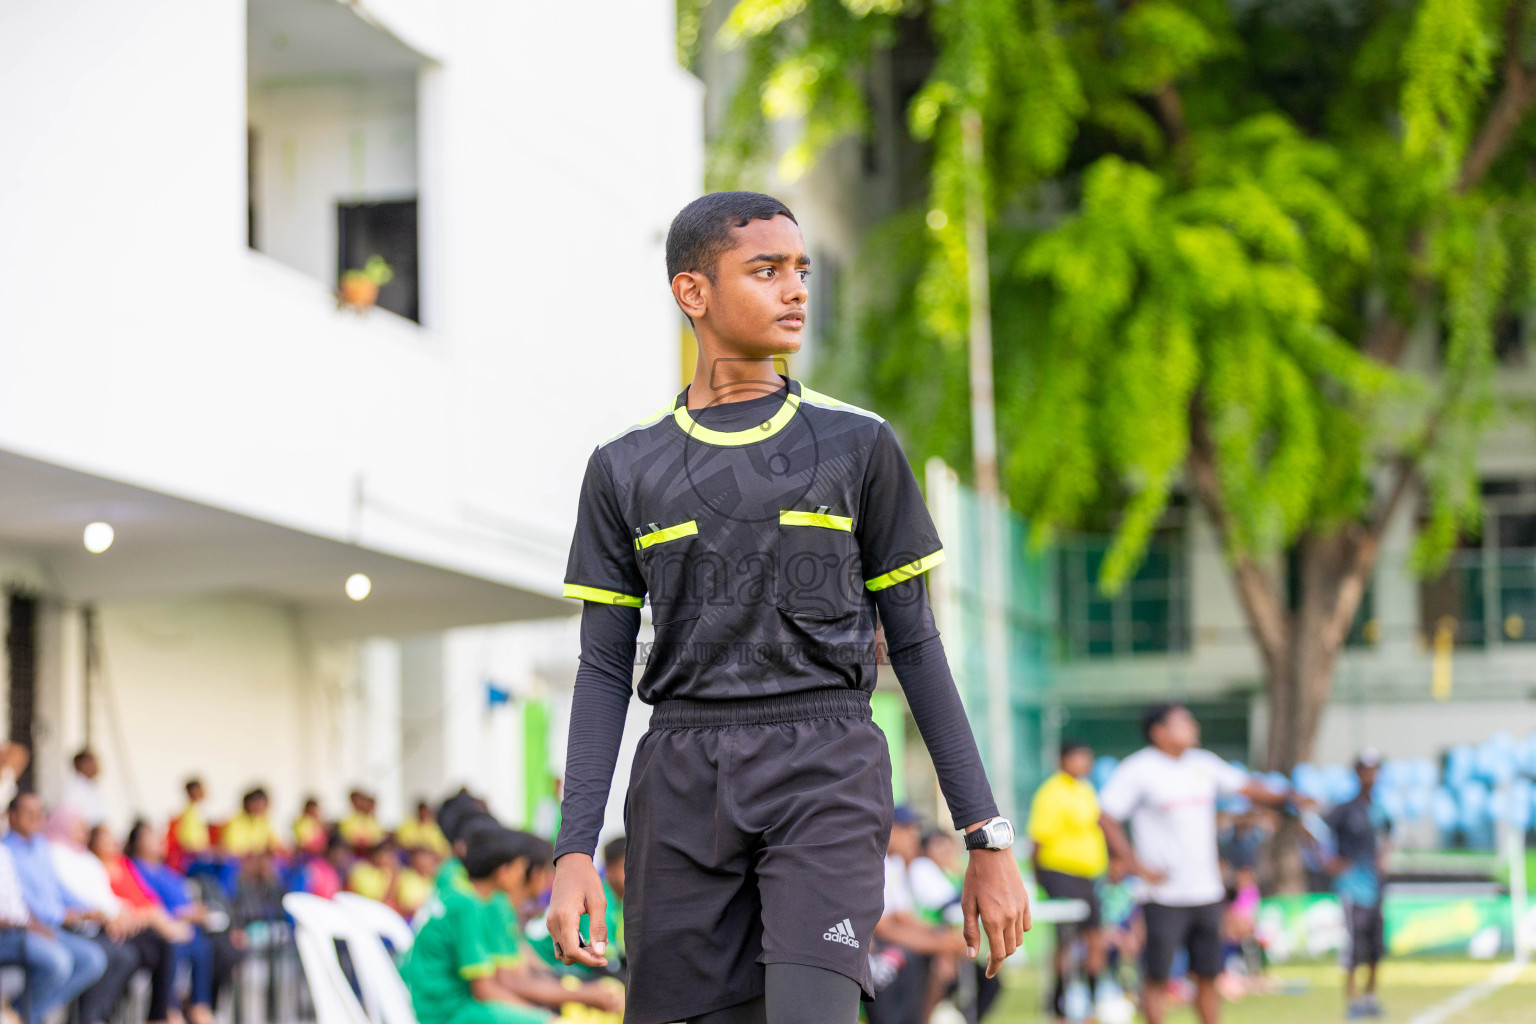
(758, 549)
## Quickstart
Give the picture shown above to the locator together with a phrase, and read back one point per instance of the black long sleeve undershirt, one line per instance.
(604, 682)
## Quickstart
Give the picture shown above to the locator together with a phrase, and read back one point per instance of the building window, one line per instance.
(1487, 594)
(1150, 614)
(332, 144)
(385, 229)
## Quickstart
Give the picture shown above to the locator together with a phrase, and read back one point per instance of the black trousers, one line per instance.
(903, 1000)
(147, 950)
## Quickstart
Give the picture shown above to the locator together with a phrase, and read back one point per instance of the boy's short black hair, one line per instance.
(539, 851)
(193, 783)
(463, 825)
(613, 852)
(1156, 715)
(702, 230)
(1069, 747)
(491, 849)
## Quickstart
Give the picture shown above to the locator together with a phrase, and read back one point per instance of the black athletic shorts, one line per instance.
(1169, 929)
(1366, 930)
(1059, 885)
(757, 834)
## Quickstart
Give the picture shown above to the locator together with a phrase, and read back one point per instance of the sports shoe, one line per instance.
(1358, 1010)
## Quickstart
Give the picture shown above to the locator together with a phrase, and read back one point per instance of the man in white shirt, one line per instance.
(81, 793)
(1167, 791)
(931, 952)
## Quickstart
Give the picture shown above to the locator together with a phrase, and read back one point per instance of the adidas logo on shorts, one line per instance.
(842, 932)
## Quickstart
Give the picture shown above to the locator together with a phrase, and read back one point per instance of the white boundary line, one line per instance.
(1459, 1001)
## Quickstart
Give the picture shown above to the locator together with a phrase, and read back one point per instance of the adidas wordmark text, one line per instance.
(842, 932)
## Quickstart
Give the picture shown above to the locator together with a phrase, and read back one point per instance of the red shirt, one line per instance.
(128, 886)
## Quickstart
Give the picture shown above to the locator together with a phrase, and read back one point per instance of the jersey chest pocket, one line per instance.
(818, 566)
(669, 560)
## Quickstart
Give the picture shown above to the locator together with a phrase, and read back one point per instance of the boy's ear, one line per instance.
(691, 290)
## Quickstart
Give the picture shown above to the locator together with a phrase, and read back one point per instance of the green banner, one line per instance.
(1311, 926)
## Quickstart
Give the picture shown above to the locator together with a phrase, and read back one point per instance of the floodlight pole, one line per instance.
(984, 456)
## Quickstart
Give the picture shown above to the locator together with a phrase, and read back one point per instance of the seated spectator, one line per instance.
(326, 876)
(82, 792)
(542, 943)
(125, 935)
(930, 955)
(360, 829)
(250, 832)
(466, 966)
(53, 912)
(421, 832)
(451, 876)
(375, 874)
(14, 758)
(259, 893)
(53, 977)
(414, 886)
(936, 878)
(309, 831)
(189, 829)
(212, 949)
(460, 805)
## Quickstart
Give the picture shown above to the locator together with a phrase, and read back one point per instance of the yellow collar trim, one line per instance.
(751, 435)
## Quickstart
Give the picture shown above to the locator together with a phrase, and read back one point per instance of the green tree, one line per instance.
(1253, 249)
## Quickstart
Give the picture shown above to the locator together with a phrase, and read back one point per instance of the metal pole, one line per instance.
(984, 454)
(1514, 846)
(88, 629)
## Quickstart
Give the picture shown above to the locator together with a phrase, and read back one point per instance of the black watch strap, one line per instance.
(976, 839)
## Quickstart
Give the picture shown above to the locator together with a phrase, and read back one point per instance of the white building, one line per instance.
(183, 181)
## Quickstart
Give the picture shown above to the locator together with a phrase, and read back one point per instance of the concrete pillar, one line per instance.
(381, 672)
(423, 702)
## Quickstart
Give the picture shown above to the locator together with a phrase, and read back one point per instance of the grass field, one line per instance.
(1408, 989)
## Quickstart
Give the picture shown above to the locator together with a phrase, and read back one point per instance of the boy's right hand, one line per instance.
(578, 891)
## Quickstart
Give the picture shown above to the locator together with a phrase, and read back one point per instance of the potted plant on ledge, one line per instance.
(359, 289)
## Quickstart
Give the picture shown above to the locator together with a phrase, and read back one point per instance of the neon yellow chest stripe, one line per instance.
(669, 533)
(830, 522)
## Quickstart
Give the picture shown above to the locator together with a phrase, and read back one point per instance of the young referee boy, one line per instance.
(769, 525)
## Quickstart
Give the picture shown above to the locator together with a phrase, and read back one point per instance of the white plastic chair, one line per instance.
(386, 1000)
(395, 929)
(318, 924)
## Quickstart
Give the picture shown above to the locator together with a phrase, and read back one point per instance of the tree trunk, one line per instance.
(1333, 573)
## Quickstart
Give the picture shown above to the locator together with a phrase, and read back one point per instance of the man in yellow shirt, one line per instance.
(1069, 857)
(250, 832)
(421, 832)
(361, 829)
(190, 827)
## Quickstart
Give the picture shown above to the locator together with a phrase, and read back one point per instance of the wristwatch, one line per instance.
(996, 834)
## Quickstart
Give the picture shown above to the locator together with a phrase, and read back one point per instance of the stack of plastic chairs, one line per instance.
(319, 925)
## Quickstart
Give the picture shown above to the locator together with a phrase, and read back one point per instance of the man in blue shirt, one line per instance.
(1359, 828)
(51, 909)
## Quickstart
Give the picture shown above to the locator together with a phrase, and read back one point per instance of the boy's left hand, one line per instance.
(994, 891)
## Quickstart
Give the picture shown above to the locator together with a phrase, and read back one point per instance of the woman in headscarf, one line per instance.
(126, 935)
(211, 952)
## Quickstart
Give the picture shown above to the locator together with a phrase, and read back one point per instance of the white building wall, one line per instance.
(143, 341)
(226, 689)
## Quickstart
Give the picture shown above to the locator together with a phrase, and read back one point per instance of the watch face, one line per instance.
(1002, 833)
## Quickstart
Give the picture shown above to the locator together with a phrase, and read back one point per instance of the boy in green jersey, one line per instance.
(543, 943)
(467, 966)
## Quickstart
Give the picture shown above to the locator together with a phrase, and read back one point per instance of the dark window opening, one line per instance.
(386, 229)
(21, 656)
(250, 187)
